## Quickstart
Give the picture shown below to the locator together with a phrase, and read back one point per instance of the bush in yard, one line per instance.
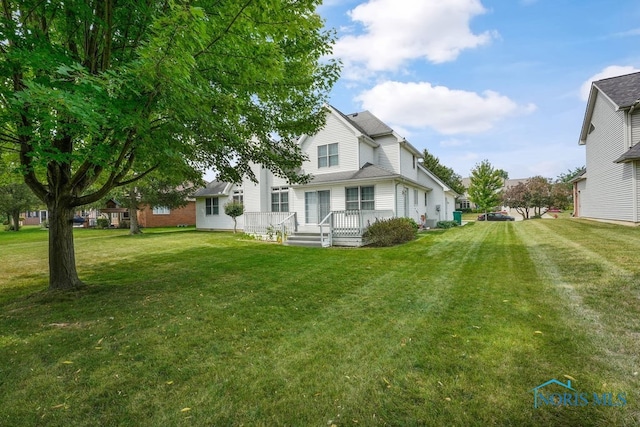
(103, 223)
(390, 232)
(446, 224)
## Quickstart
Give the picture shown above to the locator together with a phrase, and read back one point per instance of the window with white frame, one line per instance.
(211, 206)
(280, 199)
(360, 198)
(425, 198)
(415, 197)
(465, 204)
(328, 155)
(161, 210)
(238, 196)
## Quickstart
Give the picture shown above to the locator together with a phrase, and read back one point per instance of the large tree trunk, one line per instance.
(16, 221)
(134, 227)
(62, 259)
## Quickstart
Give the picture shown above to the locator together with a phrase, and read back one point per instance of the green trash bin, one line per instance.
(457, 217)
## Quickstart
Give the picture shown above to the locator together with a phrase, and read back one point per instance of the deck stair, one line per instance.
(311, 240)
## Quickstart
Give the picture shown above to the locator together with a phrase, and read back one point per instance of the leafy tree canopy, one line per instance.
(485, 186)
(444, 173)
(95, 94)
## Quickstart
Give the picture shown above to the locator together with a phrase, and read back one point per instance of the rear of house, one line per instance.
(361, 171)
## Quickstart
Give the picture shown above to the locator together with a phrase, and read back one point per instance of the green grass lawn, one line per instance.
(191, 328)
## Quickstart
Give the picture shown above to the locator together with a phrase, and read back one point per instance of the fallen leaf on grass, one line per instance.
(68, 362)
(569, 377)
(169, 382)
(62, 405)
(537, 332)
(185, 409)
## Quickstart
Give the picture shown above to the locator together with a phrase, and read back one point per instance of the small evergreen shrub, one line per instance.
(102, 223)
(389, 232)
(446, 224)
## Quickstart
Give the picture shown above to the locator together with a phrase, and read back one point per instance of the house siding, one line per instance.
(388, 153)
(334, 132)
(408, 166)
(635, 129)
(366, 154)
(609, 185)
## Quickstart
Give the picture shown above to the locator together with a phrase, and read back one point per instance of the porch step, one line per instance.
(304, 239)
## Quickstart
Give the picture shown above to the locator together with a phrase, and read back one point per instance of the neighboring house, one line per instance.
(362, 170)
(610, 188)
(161, 216)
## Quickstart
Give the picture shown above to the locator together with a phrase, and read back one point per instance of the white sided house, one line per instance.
(610, 188)
(361, 171)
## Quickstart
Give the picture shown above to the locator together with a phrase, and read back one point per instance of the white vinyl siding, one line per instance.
(366, 154)
(406, 159)
(220, 221)
(334, 131)
(609, 185)
(388, 153)
(635, 129)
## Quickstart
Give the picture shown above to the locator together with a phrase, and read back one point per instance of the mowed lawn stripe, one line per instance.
(455, 328)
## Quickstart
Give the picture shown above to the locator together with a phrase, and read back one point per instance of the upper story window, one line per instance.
(361, 198)
(238, 196)
(328, 155)
(211, 206)
(280, 199)
(161, 210)
(414, 161)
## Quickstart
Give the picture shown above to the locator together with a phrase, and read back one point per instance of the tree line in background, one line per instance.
(531, 197)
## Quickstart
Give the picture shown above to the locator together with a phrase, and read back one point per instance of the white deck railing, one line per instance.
(353, 223)
(263, 222)
(347, 223)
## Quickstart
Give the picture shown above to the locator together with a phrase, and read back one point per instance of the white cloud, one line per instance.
(448, 111)
(610, 71)
(396, 32)
(453, 142)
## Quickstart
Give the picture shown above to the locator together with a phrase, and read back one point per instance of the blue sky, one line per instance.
(503, 80)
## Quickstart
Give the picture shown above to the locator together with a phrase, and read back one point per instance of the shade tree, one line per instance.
(98, 94)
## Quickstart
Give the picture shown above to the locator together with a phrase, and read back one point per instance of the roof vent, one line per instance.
(354, 115)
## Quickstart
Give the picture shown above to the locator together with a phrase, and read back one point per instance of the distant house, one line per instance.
(610, 188)
(362, 171)
(162, 216)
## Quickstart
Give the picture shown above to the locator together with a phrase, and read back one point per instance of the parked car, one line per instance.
(495, 216)
(77, 219)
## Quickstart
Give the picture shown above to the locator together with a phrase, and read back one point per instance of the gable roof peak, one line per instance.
(623, 91)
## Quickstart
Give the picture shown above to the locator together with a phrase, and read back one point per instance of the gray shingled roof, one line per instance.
(368, 171)
(624, 91)
(368, 123)
(214, 188)
(632, 154)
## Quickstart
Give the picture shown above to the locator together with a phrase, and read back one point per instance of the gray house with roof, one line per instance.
(361, 169)
(610, 188)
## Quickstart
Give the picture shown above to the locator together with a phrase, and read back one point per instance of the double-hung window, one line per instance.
(280, 199)
(328, 155)
(359, 198)
(238, 196)
(211, 206)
